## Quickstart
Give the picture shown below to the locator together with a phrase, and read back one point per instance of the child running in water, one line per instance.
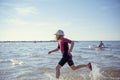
(66, 53)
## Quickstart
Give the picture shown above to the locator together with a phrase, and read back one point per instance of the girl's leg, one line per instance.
(58, 71)
(89, 66)
(73, 67)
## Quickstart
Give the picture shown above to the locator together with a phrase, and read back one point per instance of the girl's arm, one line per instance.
(53, 51)
(71, 47)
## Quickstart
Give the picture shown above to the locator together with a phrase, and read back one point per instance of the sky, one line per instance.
(79, 19)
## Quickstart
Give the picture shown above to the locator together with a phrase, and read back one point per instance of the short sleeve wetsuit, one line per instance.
(64, 47)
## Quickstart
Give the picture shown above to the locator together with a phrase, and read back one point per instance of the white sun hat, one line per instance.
(59, 32)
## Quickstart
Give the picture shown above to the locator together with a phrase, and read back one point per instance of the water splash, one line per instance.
(50, 76)
(95, 73)
(81, 74)
(16, 61)
(13, 61)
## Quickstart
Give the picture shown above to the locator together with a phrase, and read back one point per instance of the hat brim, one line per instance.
(59, 34)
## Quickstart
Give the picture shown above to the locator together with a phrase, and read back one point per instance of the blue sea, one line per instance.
(30, 61)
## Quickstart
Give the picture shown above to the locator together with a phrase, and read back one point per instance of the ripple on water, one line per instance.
(111, 73)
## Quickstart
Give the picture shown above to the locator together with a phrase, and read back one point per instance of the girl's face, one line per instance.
(58, 37)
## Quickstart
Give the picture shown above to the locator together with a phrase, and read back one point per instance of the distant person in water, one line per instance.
(66, 53)
(101, 44)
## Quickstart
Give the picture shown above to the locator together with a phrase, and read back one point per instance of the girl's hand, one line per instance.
(49, 52)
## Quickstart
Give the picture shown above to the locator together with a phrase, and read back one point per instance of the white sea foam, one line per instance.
(50, 76)
(16, 61)
(95, 73)
(29, 54)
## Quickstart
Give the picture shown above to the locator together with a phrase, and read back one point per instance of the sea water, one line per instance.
(30, 61)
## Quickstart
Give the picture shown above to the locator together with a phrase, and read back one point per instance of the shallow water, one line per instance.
(30, 61)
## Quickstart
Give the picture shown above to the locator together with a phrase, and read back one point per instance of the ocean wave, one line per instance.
(13, 61)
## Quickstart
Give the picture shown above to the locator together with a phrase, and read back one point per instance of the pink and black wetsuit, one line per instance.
(64, 47)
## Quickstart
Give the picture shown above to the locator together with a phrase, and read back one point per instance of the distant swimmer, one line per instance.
(101, 44)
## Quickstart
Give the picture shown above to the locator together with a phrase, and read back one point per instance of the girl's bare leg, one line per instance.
(73, 67)
(58, 71)
(89, 66)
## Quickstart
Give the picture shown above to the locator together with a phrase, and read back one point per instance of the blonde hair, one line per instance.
(58, 38)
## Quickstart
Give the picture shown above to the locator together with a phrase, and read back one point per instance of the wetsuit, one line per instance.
(64, 47)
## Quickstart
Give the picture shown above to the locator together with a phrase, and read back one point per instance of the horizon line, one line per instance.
(48, 40)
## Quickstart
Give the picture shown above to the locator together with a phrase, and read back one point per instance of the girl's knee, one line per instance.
(58, 67)
(73, 68)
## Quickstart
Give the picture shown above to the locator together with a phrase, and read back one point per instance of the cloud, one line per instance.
(26, 10)
(12, 9)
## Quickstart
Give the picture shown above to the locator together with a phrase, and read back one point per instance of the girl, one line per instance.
(66, 53)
